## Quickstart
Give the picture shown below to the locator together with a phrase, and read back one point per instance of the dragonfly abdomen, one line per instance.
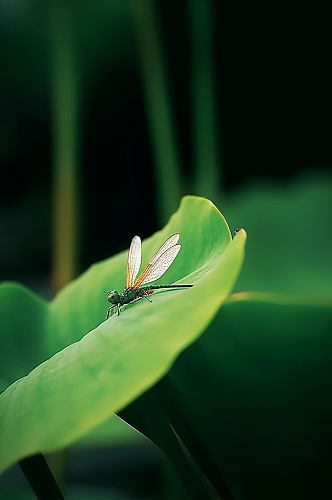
(150, 288)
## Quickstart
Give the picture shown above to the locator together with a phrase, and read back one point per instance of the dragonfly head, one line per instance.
(113, 297)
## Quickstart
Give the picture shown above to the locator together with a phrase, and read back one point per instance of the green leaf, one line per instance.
(22, 333)
(250, 399)
(291, 223)
(113, 431)
(101, 371)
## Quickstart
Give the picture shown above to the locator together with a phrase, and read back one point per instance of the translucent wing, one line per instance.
(170, 242)
(154, 271)
(134, 260)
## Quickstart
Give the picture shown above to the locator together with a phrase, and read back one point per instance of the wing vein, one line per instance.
(134, 261)
(158, 266)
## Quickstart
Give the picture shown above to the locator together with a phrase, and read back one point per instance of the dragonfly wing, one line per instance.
(170, 242)
(154, 271)
(134, 260)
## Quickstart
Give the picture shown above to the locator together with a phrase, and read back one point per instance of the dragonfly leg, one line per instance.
(145, 296)
(118, 308)
(135, 300)
(109, 311)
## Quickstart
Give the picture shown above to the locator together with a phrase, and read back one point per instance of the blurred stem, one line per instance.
(64, 97)
(40, 478)
(206, 150)
(158, 105)
(189, 442)
(147, 414)
(65, 131)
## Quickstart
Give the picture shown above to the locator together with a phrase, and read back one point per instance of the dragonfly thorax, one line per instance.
(128, 295)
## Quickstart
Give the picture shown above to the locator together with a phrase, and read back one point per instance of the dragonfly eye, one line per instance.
(113, 297)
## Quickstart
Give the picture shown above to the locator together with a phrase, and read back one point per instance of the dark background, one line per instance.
(273, 87)
(271, 64)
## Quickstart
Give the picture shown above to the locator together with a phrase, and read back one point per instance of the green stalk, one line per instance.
(40, 478)
(64, 97)
(149, 416)
(206, 145)
(65, 144)
(158, 106)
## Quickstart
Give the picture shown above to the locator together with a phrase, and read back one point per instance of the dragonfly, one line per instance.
(137, 289)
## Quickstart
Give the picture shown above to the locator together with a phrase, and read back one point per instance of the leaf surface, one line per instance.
(250, 399)
(99, 372)
(290, 244)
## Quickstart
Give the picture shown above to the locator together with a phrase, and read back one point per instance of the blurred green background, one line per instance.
(111, 111)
